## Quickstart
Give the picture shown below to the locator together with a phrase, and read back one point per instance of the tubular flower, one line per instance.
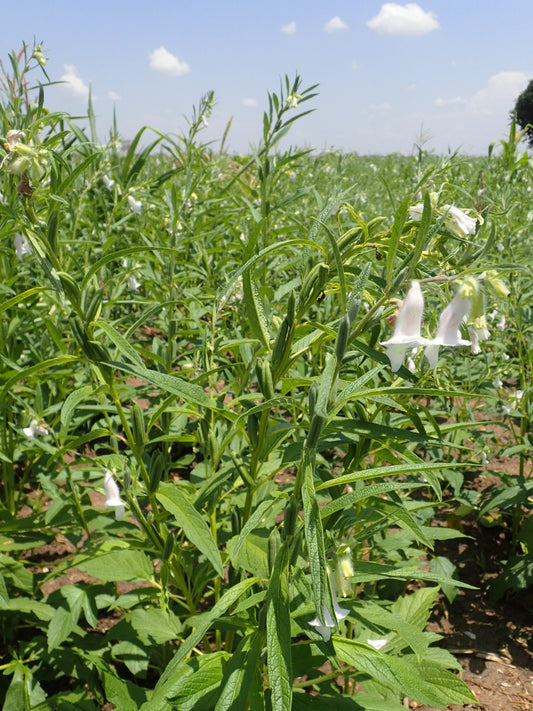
(34, 428)
(136, 205)
(108, 182)
(406, 332)
(22, 246)
(458, 222)
(448, 333)
(325, 629)
(112, 495)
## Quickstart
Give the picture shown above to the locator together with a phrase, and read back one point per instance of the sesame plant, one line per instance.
(222, 382)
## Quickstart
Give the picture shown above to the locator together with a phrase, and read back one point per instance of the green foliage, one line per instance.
(198, 416)
(524, 111)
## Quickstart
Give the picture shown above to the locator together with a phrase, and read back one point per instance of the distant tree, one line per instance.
(524, 112)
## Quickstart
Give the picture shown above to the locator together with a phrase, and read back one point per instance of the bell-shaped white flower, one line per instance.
(112, 494)
(108, 182)
(133, 283)
(325, 629)
(415, 212)
(35, 428)
(478, 334)
(406, 332)
(458, 222)
(22, 246)
(448, 333)
(136, 205)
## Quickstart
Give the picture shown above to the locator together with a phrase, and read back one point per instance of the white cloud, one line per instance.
(335, 24)
(355, 64)
(455, 101)
(289, 29)
(404, 20)
(74, 83)
(251, 103)
(113, 96)
(161, 60)
(499, 95)
(381, 107)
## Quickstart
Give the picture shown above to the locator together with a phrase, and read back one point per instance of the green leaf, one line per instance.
(368, 571)
(175, 501)
(72, 401)
(443, 566)
(423, 682)
(199, 683)
(395, 235)
(252, 554)
(15, 571)
(60, 627)
(124, 346)
(172, 384)
(314, 537)
(154, 625)
(124, 694)
(366, 492)
(170, 678)
(279, 634)
(239, 674)
(254, 310)
(119, 565)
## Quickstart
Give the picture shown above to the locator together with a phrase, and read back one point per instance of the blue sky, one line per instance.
(449, 70)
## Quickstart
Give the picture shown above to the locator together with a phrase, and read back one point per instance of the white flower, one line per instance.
(406, 332)
(136, 205)
(501, 324)
(484, 459)
(506, 409)
(415, 212)
(448, 333)
(497, 382)
(519, 394)
(34, 428)
(108, 182)
(112, 494)
(133, 283)
(12, 138)
(22, 246)
(500, 247)
(477, 334)
(377, 643)
(459, 222)
(325, 629)
(204, 120)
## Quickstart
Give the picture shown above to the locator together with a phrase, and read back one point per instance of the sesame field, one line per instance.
(265, 419)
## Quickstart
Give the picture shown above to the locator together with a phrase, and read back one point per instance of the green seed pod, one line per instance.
(138, 428)
(353, 309)
(92, 304)
(267, 386)
(252, 427)
(71, 288)
(399, 279)
(312, 395)
(312, 285)
(290, 517)
(169, 546)
(274, 544)
(126, 481)
(157, 467)
(236, 521)
(343, 335)
(315, 429)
